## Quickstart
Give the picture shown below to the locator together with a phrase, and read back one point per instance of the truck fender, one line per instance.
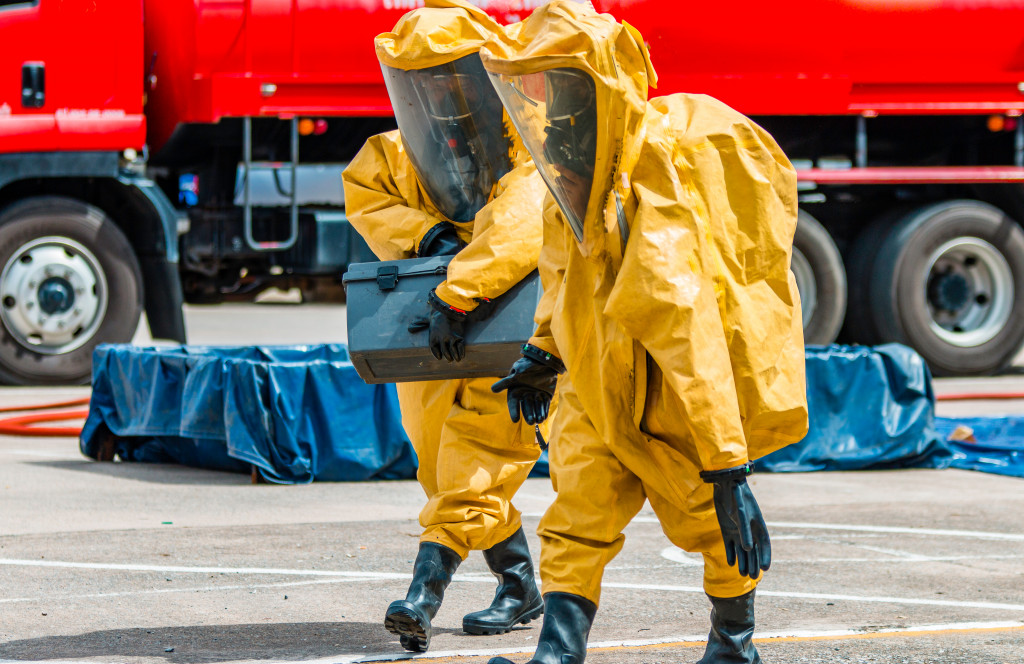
(157, 251)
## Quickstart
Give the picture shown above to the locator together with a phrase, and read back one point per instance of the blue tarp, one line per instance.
(870, 408)
(296, 413)
(999, 446)
(301, 413)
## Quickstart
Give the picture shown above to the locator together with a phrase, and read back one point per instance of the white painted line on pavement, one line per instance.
(846, 598)
(357, 576)
(204, 570)
(897, 556)
(376, 576)
(975, 534)
(677, 555)
(199, 589)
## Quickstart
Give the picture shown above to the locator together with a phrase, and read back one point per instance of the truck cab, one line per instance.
(85, 238)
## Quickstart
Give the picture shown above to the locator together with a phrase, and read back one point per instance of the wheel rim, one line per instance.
(806, 284)
(969, 290)
(53, 295)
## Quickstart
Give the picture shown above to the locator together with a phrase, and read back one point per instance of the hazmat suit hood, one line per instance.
(670, 299)
(437, 33)
(452, 123)
(570, 43)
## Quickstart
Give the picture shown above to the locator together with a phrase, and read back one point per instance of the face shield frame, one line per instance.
(454, 132)
(555, 112)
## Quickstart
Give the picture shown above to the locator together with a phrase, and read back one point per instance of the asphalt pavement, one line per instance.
(118, 562)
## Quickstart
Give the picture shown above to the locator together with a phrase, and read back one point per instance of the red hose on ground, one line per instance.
(21, 425)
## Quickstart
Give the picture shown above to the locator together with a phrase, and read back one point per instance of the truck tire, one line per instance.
(69, 280)
(859, 325)
(949, 282)
(821, 279)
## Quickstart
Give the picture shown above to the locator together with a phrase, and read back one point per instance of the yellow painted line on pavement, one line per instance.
(822, 637)
(887, 634)
(688, 642)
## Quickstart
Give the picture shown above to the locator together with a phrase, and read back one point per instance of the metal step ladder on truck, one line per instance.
(165, 151)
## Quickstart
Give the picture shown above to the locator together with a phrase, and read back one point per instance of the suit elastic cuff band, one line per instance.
(544, 357)
(735, 474)
(454, 299)
(445, 308)
(432, 234)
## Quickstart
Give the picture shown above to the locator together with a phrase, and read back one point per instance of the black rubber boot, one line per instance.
(517, 599)
(410, 618)
(563, 636)
(732, 631)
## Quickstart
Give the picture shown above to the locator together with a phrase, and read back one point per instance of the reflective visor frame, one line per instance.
(555, 113)
(454, 132)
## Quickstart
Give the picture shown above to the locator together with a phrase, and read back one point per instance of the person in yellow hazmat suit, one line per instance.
(670, 318)
(455, 179)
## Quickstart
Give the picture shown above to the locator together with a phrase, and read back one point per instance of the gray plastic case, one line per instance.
(385, 297)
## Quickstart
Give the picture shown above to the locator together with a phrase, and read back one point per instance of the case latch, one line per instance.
(387, 277)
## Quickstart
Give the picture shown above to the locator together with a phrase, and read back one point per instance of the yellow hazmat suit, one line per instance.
(472, 458)
(667, 295)
(455, 173)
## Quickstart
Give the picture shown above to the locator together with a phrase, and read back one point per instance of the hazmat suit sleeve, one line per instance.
(697, 249)
(553, 258)
(384, 201)
(507, 235)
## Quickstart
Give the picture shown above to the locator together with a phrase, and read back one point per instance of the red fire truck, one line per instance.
(155, 152)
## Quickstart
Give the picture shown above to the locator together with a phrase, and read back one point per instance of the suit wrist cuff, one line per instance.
(542, 356)
(448, 310)
(546, 343)
(448, 295)
(735, 474)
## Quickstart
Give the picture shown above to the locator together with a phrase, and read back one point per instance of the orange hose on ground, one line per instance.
(46, 406)
(977, 396)
(20, 426)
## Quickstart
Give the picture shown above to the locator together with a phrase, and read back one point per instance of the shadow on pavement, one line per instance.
(213, 643)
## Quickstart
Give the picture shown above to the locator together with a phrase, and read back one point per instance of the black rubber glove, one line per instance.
(747, 544)
(531, 384)
(447, 326)
(440, 240)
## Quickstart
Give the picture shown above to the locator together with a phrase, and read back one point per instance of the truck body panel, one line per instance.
(252, 58)
(86, 59)
(159, 117)
(834, 57)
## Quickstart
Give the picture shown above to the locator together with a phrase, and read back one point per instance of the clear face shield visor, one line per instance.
(555, 112)
(453, 130)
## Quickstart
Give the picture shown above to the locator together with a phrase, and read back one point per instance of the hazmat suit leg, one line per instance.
(695, 528)
(424, 406)
(597, 496)
(697, 531)
(472, 460)
(481, 460)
